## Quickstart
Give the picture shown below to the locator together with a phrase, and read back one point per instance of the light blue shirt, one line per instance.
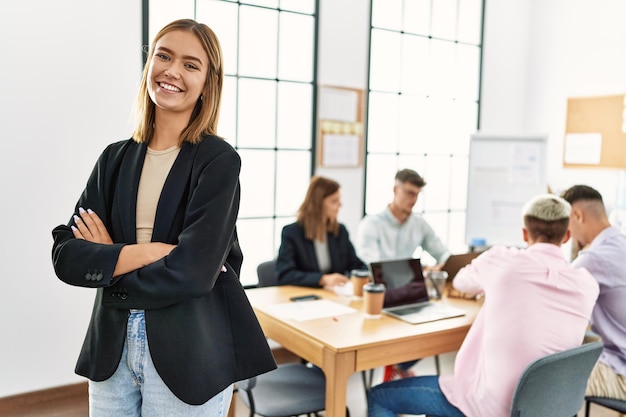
(382, 237)
(605, 259)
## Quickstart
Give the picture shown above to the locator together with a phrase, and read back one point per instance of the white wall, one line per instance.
(537, 54)
(70, 70)
(68, 79)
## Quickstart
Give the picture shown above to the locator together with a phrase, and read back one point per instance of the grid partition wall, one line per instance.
(423, 105)
(267, 111)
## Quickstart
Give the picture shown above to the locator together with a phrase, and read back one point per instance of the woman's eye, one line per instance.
(162, 56)
(191, 66)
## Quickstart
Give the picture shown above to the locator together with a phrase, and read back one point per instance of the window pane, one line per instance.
(302, 6)
(437, 190)
(444, 17)
(250, 233)
(417, 16)
(280, 223)
(292, 180)
(414, 114)
(456, 239)
(458, 182)
(295, 115)
(382, 122)
(258, 34)
(296, 47)
(385, 62)
(381, 170)
(228, 111)
(387, 14)
(415, 64)
(256, 119)
(467, 72)
(470, 17)
(442, 65)
(221, 16)
(257, 191)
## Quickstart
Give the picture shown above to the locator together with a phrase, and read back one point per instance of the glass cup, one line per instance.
(438, 281)
(358, 278)
(373, 300)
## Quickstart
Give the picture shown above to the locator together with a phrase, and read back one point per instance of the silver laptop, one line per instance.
(406, 295)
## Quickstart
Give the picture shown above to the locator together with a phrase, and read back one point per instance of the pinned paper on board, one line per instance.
(583, 148)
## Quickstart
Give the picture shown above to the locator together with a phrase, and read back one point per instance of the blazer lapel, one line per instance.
(126, 195)
(175, 187)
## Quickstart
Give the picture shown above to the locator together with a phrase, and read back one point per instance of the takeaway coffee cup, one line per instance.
(373, 299)
(358, 278)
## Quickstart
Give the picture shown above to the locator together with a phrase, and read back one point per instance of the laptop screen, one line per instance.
(403, 280)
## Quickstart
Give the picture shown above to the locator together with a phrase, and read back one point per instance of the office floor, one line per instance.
(356, 394)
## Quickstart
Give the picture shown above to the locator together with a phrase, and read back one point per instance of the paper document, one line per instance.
(309, 310)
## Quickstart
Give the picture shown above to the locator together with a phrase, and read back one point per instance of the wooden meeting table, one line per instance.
(347, 343)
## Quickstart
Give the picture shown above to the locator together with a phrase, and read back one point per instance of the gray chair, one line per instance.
(266, 273)
(554, 385)
(615, 405)
(289, 390)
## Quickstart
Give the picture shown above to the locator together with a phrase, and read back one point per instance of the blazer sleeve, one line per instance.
(296, 263)
(79, 262)
(207, 238)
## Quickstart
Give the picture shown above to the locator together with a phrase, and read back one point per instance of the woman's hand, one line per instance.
(89, 227)
(330, 280)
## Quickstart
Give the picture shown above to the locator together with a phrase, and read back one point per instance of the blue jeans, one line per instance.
(135, 389)
(418, 395)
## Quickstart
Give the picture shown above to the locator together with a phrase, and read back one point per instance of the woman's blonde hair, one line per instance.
(206, 113)
(310, 214)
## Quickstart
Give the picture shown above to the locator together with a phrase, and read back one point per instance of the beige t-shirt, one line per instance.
(156, 167)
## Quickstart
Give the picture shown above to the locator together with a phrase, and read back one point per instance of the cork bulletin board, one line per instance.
(595, 132)
(340, 127)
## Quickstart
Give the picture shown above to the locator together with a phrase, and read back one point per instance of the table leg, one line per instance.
(337, 367)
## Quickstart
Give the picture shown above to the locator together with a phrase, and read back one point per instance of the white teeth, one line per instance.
(169, 87)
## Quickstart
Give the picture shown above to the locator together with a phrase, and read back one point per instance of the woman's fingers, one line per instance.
(90, 227)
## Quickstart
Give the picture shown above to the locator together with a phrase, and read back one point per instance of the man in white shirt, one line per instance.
(397, 231)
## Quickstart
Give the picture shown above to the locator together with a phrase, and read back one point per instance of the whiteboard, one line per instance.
(504, 173)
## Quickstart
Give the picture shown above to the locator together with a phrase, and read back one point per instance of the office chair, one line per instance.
(289, 390)
(554, 385)
(615, 405)
(266, 272)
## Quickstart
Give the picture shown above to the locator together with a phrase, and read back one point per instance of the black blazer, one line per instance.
(297, 264)
(202, 332)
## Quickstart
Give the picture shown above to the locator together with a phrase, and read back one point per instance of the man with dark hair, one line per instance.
(604, 256)
(536, 303)
(397, 232)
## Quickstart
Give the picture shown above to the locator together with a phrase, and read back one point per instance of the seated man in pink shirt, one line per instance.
(535, 304)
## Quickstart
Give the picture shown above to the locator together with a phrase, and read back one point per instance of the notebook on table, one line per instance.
(406, 295)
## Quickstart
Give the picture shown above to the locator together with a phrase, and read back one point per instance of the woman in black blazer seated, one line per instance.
(316, 251)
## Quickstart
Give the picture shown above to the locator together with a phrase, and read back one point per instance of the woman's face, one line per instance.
(331, 205)
(177, 72)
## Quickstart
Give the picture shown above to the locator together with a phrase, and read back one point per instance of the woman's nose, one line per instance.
(172, 72)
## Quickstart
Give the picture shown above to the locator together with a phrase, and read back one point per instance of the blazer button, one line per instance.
(88, 276)
(124, 296)
(99, 277)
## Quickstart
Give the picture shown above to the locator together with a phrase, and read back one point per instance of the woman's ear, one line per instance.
(568, 234)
